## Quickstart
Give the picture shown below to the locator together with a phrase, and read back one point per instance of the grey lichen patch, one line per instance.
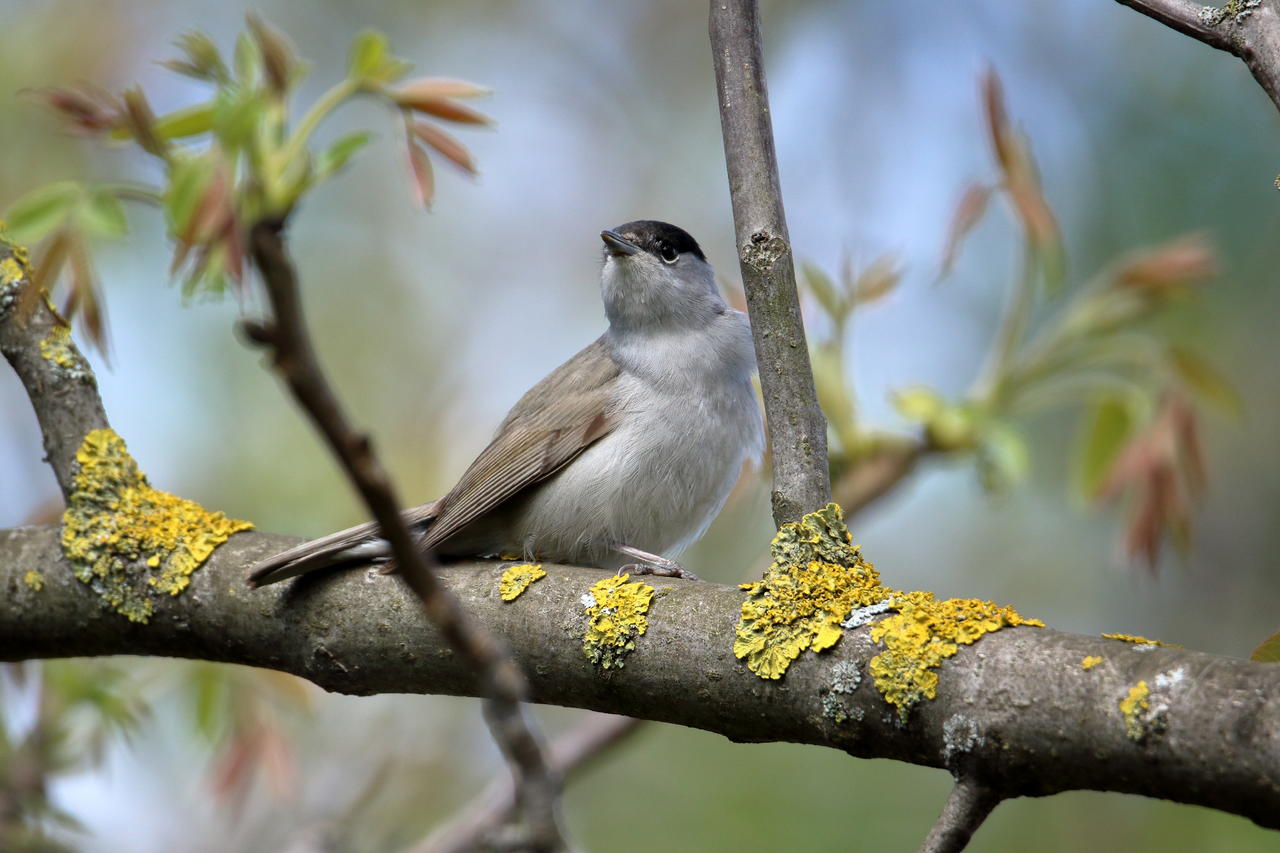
(1235, 11)
(13, 272)
(960, 736)
(845, 677)
(863, 615)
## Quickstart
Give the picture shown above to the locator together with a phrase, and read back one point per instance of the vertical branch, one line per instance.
(967, 807)
(537, 784)
(797, 428)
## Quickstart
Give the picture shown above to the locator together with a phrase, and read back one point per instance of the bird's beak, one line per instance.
(618, 245)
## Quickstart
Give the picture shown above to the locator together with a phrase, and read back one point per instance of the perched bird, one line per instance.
(619, 458)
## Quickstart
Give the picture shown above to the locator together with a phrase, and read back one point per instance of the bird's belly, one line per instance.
(654, 483)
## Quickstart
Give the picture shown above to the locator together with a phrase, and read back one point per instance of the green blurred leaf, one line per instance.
(102, 215)
(370, 59)
(1103, 433)
(246, 60)
(878, 280)
(188, 121)
(203, 61)
(1003, 458)
(834, 394)
(1203, 378)
(43, 210)
(336, 155)
(236, 112)
(1268, 651)
(187, 181)
(918, 403)
(1053, 265)
(823, 290)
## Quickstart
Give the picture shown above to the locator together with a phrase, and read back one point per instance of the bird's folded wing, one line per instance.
(555, 421)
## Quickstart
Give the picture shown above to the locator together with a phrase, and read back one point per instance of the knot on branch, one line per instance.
(764, 250)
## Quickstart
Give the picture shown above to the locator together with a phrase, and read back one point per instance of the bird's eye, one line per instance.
(669, 254)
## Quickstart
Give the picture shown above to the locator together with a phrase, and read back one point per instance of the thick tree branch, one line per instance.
(1249, 29)
(537, 785)
(797, 428)
(1017, 709)
(967, 807)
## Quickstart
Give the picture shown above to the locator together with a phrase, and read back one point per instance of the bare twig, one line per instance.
(569, 753)
(797, 428)
(1249, 29)
(537, 784)
(967, 807)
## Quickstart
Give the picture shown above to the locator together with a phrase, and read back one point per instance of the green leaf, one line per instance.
(102, 215)
(187, 181)
(823, 290)
(370, 59)
(1268, 651)
(43, 210)
(1003, 458)
(336, 155)
(918, 403)
(369, 53)
(247, 61)
(1203, 378)
(188, 121)
(236, 113)
(1103, 433)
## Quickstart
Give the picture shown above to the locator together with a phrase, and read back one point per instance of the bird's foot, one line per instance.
(652, 564)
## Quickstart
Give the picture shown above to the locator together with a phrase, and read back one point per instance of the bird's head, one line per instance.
(656, 278)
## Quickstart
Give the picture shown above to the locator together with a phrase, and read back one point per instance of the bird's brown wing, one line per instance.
(555, 421)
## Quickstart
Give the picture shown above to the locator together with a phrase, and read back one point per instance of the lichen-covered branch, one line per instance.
(1249, 29)
(1031, 711)
(797, 427)
(286, 335)
(37, 344)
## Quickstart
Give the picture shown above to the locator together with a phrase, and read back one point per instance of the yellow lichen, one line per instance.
(1139, 641)
(1090, 661)
(516, 580)
(58, 349)
(33, 579)
(615, 618)
(819, 583)
(923, 633)
(117, 529)
(11, 271)
(817, 578)
(1134, 708)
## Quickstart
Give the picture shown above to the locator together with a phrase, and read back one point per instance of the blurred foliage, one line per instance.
(1094, 350)
(230, 161)
(76, 707)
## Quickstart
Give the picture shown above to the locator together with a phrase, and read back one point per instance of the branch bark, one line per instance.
(797, 427)
(1249, 29)
(1017, 707)
(967, 807)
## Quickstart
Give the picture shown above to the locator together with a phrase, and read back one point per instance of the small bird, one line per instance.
(623, 455)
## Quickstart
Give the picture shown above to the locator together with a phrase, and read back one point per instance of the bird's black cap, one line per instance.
(654, 236)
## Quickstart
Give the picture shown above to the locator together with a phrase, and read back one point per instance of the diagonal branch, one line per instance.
(1249, 29)
(797, 428)
(967, 807)
(537, 784)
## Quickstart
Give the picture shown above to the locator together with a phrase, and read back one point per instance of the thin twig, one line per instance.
(577, 748)
(967, 807)
(537, 784)
(1249, 30)
(797, 428)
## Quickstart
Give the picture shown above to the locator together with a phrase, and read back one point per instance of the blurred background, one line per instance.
(433, 324)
